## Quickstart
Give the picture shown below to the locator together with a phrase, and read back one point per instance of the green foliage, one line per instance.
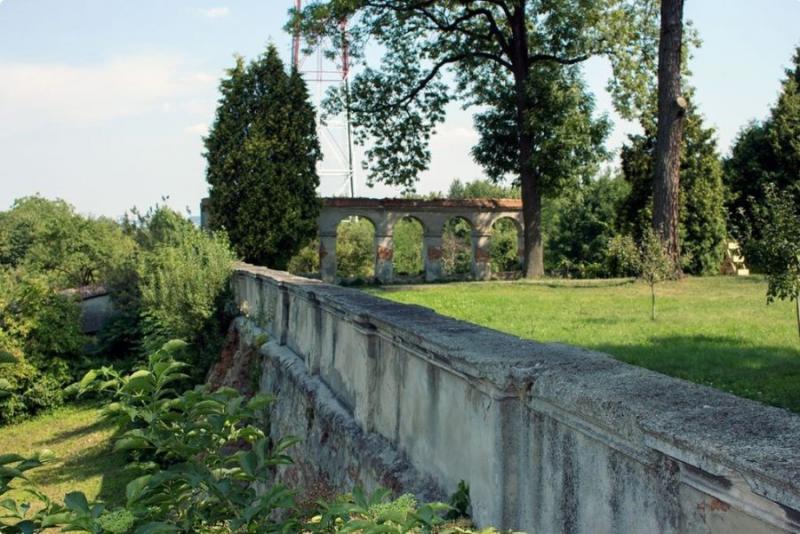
(703, 231)
(481, 189)
(581, 228)
(623, 256)
(504, 246)
(48, 237)
(764, 153)
(396, 105)
(40, 328)
(407, 240)
(460, 502)
(567, 140)
(355, 249)
(778, 219)
(262, 152)
(457, 247)
(654, 264)
(306, 261)
(176, 285)
(203, 465)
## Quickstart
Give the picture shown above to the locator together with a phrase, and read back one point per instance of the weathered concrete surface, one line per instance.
(550, 438)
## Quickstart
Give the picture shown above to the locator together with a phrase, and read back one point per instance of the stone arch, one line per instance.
(408, 247)
(506, 247)
(458, 247)
(355, 248)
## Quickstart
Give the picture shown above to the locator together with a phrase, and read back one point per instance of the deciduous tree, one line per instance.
(671, 111)
(511, 57)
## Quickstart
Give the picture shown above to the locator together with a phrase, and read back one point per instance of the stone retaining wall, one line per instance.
(550, 438)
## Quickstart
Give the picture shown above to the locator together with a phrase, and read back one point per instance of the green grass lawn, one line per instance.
(717, 331)
(84, 461)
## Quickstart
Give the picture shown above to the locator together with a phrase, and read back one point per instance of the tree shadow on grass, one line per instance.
(767, 374)
(97, 460)
(97, 426)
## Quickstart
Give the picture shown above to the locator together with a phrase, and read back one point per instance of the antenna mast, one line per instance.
(337, 161)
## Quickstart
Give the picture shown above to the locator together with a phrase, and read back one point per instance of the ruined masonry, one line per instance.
(384, 214)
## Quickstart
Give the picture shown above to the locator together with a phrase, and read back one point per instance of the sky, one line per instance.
(104, 103)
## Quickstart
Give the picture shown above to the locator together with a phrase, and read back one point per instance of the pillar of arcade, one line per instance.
(432, 257)
(327, 257)
(384, 254)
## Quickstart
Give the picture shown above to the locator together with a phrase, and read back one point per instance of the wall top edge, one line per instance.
(436, 204)
(762, 443)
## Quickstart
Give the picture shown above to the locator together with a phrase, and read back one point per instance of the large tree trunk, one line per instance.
(533, 259)
(533, 255)
(671, 111)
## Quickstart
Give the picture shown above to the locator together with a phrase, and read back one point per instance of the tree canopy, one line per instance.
(262, 151)
(515, 60)
(766, 152)
(48, 236)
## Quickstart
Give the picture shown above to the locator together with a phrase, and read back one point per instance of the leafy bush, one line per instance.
(176, 285)
(504, 247)
(779, 243)
(355, 249)
(40, 328)
(204, 465)
(580, 227)
(48, 237)
(306, 261)
(457, 247)
(408, 242)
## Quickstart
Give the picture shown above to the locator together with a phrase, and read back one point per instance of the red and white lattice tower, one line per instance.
(335, 135)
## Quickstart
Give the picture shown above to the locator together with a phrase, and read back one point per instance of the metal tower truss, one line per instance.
(335, 134)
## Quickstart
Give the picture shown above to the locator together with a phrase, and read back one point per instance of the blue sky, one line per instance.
(104, 102)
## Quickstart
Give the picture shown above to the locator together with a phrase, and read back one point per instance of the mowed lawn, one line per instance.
(717, 331)
(81, 442)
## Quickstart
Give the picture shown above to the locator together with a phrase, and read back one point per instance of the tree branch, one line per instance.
(432, 74)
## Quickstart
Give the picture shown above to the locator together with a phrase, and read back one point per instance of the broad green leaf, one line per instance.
(134, 489)
(76, 501)
(131, 443)
(10, 458)
(53, 520)
(7, 357)
(174, 345)
(87, 379)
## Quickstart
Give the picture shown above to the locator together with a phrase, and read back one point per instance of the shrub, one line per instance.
(204, 465)
(306, 261)
(355, 249)
(48, 237)
(176, 285)
(40, 328)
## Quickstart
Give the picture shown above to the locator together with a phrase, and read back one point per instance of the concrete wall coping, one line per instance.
(701, 426)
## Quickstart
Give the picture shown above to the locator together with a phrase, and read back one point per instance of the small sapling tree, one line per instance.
(655, 264)
(778, 219)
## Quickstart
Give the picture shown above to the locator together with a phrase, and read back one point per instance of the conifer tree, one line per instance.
(764, 153)
(702, 227)
(262, 152)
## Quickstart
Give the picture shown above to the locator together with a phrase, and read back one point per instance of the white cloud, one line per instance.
(55, 93)
(197, 129)
(215, 12)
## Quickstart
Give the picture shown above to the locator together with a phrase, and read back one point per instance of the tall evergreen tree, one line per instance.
(262, 152)
(766, 152)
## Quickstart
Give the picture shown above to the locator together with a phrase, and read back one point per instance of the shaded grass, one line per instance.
(717, 331)
(82, 444)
